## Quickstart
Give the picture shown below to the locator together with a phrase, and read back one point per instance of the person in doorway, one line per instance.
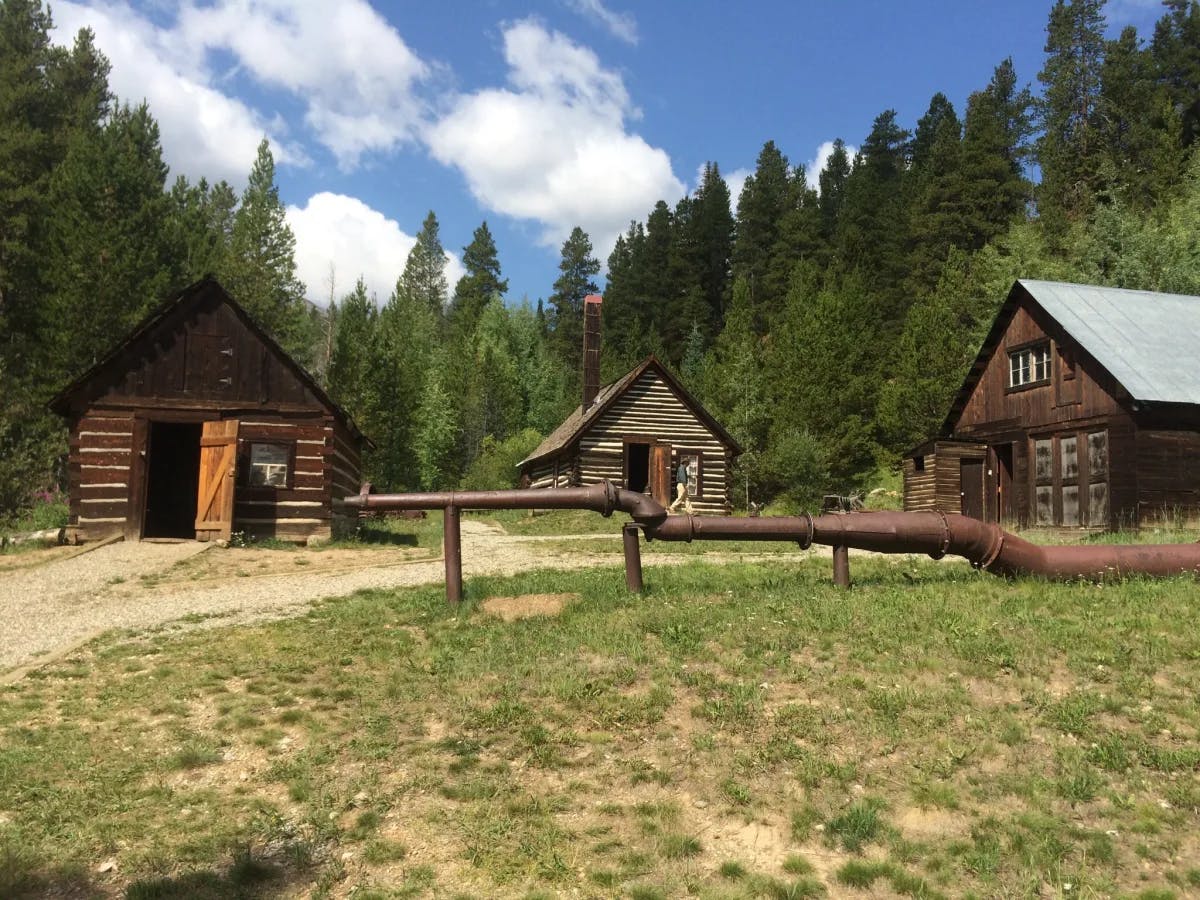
(682, 495)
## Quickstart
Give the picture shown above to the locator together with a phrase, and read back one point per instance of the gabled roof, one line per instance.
(180, 303)
(578, 422)
(1148, 342)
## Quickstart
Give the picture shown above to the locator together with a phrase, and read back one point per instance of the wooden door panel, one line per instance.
(660, 473)
(971, 487)
(218, 470)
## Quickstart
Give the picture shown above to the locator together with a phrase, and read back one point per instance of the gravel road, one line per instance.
(51, 608)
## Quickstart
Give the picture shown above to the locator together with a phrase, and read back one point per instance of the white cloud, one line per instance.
(812, 171)
(554, 146)
(344, 234)
(620, 25)
(204, 132)
(353, 71)
(736, 181)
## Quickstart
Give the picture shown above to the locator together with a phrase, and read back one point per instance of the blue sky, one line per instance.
(534, 116)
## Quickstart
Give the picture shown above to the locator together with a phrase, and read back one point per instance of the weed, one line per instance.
(858, 825)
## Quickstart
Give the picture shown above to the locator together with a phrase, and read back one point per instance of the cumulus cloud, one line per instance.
(812, 171)
(204, 131)
(620, 25)
(553, 146)
(343, 237)
(352, 70)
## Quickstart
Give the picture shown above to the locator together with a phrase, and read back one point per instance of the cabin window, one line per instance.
(270, 465)
(918, 463)
(1029, 365)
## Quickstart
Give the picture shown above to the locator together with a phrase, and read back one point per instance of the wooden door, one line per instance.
(135, 519)
(218, 468)
(971, 487)
(660, 473)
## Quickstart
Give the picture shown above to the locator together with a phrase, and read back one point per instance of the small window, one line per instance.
(918, 463)
(269, 464)
(1029, 366)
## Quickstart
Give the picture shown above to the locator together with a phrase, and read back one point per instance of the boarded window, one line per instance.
(1098, 455)
(1070, 458)
(1098, 503)
(1043, 455)
(1070, 504)
(269, 465)
(1045, 505)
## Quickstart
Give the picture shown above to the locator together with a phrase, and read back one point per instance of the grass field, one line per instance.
(740, 731)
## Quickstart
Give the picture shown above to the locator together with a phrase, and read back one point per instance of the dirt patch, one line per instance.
(526, 606)
(932, 824)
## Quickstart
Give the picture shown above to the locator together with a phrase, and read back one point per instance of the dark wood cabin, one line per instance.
(635, 432)
(1082, 409)
(197, 425)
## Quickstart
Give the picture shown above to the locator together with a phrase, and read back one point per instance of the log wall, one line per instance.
(650, 410)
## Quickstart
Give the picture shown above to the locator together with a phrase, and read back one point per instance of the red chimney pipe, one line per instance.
(591, 349)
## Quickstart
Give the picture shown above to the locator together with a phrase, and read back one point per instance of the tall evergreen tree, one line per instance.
(760, 210)
(577, 269)
(108, 257)
(351, 370)
(712, 226)
(261, 269)
(481, 282)
(1069, 147)
(832, 184)
(424, 275)
(1176, 54)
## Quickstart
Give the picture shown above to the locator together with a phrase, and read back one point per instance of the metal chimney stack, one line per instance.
(591, 349)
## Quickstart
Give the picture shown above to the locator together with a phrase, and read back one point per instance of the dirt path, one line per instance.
(47, 610)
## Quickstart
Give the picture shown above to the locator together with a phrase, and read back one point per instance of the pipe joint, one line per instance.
(945, 546)
(806, 540)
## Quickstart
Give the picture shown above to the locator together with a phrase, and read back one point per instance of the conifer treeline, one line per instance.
(825, 324)
(829, 324)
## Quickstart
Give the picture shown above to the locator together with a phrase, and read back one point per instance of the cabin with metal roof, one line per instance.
(635, 432)
(197, 425)
(1081, 410)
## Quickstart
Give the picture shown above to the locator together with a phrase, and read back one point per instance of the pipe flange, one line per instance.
(610, 498)
(807, 541)
(945, 548)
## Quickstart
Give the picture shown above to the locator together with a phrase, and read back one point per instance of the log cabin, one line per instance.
(1081, 410)
(635, 432)
(198, 425)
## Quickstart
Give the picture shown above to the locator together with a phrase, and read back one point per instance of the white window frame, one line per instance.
(1029, 365)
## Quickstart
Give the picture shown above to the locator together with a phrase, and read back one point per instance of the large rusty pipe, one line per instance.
(985, 545)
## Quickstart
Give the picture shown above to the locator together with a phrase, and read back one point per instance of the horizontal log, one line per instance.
(279, 495)
(101, 457)
(101, 509)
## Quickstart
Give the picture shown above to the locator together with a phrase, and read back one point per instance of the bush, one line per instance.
(496, 466)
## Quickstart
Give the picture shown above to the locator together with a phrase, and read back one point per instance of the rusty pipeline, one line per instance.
(985, 545)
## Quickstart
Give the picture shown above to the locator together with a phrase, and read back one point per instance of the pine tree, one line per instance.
(261, 269)
(995, 146)
(107, 255)
(1139, 128)
(832, 183)
(760, 210)
(424, 275)
(1176, 54)
(577, 268)
(712, 225)
(435, 431)
(480, 284)
(351, 370)
(1068, 150)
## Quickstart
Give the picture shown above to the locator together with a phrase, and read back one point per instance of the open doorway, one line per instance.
(637, 467)
(172, 479)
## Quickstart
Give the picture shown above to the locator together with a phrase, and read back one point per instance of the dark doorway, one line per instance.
(172, 478)
(1006, 506)
(637, 466)
(970, 475)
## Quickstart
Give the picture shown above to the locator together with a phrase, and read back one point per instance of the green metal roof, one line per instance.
(1149, 342)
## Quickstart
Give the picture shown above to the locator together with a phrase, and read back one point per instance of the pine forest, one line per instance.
(826, 325)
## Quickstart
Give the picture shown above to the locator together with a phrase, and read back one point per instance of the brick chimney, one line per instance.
(591, 349)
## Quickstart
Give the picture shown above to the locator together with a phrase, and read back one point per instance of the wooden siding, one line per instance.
(650, 409)
(920, 487)
(1168, 476)
(994, 406)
